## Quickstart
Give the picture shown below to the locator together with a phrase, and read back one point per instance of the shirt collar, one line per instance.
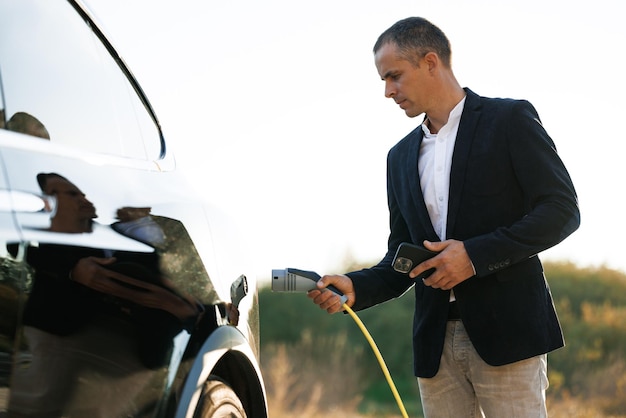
(453, 118)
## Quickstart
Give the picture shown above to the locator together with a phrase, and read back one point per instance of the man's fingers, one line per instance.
(326, 300)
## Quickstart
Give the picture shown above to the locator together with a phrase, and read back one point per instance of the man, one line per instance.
(479, 182)
(74, 213)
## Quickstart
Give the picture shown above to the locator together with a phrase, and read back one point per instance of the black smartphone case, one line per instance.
(410, 255)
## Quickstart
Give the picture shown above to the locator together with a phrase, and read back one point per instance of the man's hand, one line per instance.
(93, 273)
(129, 214)
(452, 265)
(89, 271)
(328, 300)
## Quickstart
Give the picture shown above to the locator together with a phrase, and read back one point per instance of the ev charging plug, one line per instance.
(295, 281)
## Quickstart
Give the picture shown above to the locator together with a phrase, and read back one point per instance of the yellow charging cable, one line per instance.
(381, 361)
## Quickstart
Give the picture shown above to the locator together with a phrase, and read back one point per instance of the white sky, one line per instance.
(276, 111)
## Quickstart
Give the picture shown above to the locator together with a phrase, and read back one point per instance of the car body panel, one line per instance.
(115, 276)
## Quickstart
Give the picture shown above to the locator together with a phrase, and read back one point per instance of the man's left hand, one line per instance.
(452, 265)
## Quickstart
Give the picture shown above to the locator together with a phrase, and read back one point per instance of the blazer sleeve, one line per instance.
(543, 203)
(381, 283)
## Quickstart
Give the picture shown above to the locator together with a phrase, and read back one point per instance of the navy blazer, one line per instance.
(510, 198)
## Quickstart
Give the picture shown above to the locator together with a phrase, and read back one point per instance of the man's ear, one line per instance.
(431, 60)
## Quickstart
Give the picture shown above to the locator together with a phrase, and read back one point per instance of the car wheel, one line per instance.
(219, 400)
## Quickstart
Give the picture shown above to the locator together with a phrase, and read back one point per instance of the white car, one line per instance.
(121, 295)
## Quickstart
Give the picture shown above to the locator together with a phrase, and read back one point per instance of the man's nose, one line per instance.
(390, 91)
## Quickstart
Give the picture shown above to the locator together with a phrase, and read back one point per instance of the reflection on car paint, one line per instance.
(108, 307)
(100, 323)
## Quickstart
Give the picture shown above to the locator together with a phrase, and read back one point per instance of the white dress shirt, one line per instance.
(434, 165)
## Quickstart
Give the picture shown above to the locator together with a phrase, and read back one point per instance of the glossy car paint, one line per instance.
(87, 185)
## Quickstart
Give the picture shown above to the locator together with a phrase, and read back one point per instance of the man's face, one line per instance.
(405, 83)
(71, 202)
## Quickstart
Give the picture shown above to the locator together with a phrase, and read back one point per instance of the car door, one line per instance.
(107, 261)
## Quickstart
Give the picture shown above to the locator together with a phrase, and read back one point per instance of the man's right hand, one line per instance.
(330, 301)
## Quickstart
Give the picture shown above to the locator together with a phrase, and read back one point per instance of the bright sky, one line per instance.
(276, 112)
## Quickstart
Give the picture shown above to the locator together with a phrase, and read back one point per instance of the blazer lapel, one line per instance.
(464, 138)
(416, 187)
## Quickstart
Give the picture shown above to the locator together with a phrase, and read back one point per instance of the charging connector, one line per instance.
(301, 281)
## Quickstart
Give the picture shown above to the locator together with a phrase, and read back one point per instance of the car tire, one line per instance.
(218, 399)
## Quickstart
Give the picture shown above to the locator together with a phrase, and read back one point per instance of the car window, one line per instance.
(61, 84)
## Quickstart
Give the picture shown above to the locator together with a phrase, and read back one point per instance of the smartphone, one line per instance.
(410, 255)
